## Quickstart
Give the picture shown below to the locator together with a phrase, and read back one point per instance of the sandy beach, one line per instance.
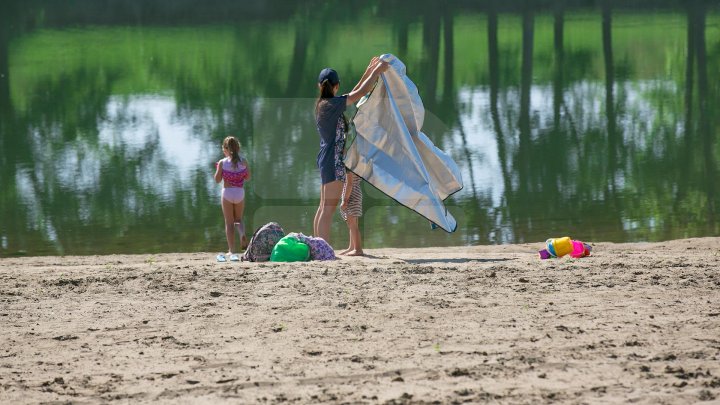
(632, 323)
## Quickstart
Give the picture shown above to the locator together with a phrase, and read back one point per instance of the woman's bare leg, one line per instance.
(331, 198)
(318, 214)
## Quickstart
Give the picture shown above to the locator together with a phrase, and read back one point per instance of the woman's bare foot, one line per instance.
(344, 252)
(356, 253)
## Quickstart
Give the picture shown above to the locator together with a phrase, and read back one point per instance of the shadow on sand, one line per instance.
(440, 260)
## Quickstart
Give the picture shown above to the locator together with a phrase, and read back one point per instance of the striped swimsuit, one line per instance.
(354, 206)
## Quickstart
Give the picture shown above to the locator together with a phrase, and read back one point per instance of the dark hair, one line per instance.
(326, 91)
(233, 145)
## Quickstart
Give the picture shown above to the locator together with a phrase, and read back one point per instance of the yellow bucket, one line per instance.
(559, 247)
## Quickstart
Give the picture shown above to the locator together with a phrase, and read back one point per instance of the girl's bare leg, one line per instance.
(355, 237)
(350, 236)
(229, 215)
(238, 210)
(346, 251)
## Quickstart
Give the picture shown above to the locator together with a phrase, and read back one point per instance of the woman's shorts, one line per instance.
(234, 195)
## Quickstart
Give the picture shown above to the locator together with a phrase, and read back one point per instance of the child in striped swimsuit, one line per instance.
(351, 210)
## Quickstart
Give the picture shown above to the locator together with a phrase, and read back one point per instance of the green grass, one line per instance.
(255, 59)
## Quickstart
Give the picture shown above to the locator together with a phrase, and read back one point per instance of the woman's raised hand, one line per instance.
(371, 67)
(382, 66)
(374, 69)
(373, 63)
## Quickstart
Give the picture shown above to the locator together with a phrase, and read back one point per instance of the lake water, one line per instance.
(596, 120)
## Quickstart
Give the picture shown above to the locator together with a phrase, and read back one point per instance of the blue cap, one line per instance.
(330, 75)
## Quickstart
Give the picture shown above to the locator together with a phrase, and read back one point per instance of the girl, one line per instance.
(331, 126)
(351, 211)
(233, 171)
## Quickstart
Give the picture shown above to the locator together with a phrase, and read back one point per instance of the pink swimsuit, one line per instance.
(234, 178)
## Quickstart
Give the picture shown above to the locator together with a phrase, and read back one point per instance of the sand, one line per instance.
(632, 323)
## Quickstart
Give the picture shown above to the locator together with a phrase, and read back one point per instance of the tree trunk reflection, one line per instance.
(431, 55)
(558, 88)
(705, 111)
(494, 73)
(523, 162)
(295, 81)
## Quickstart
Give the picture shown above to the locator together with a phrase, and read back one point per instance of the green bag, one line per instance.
(289, 249)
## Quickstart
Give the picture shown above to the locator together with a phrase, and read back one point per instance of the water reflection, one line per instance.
(588, 119)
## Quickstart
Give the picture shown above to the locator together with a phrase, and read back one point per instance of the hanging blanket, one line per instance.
(391, 153)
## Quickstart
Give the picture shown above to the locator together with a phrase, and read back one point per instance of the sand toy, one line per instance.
(559, 247)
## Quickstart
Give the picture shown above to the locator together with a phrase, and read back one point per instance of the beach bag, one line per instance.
(290, 249)
(319, 249)
(262, 242)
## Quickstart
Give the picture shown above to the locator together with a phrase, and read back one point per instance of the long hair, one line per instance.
(326, 91)
(233, 145)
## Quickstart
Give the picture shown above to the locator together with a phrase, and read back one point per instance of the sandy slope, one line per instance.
(634, 322)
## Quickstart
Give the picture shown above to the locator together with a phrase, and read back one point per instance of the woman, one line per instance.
(331, 126)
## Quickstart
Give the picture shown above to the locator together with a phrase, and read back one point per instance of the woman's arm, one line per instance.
(218, 171)
(247, 172)
(364, 87)
(373, 63)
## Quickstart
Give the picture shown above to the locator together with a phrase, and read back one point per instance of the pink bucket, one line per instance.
(580, 249)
